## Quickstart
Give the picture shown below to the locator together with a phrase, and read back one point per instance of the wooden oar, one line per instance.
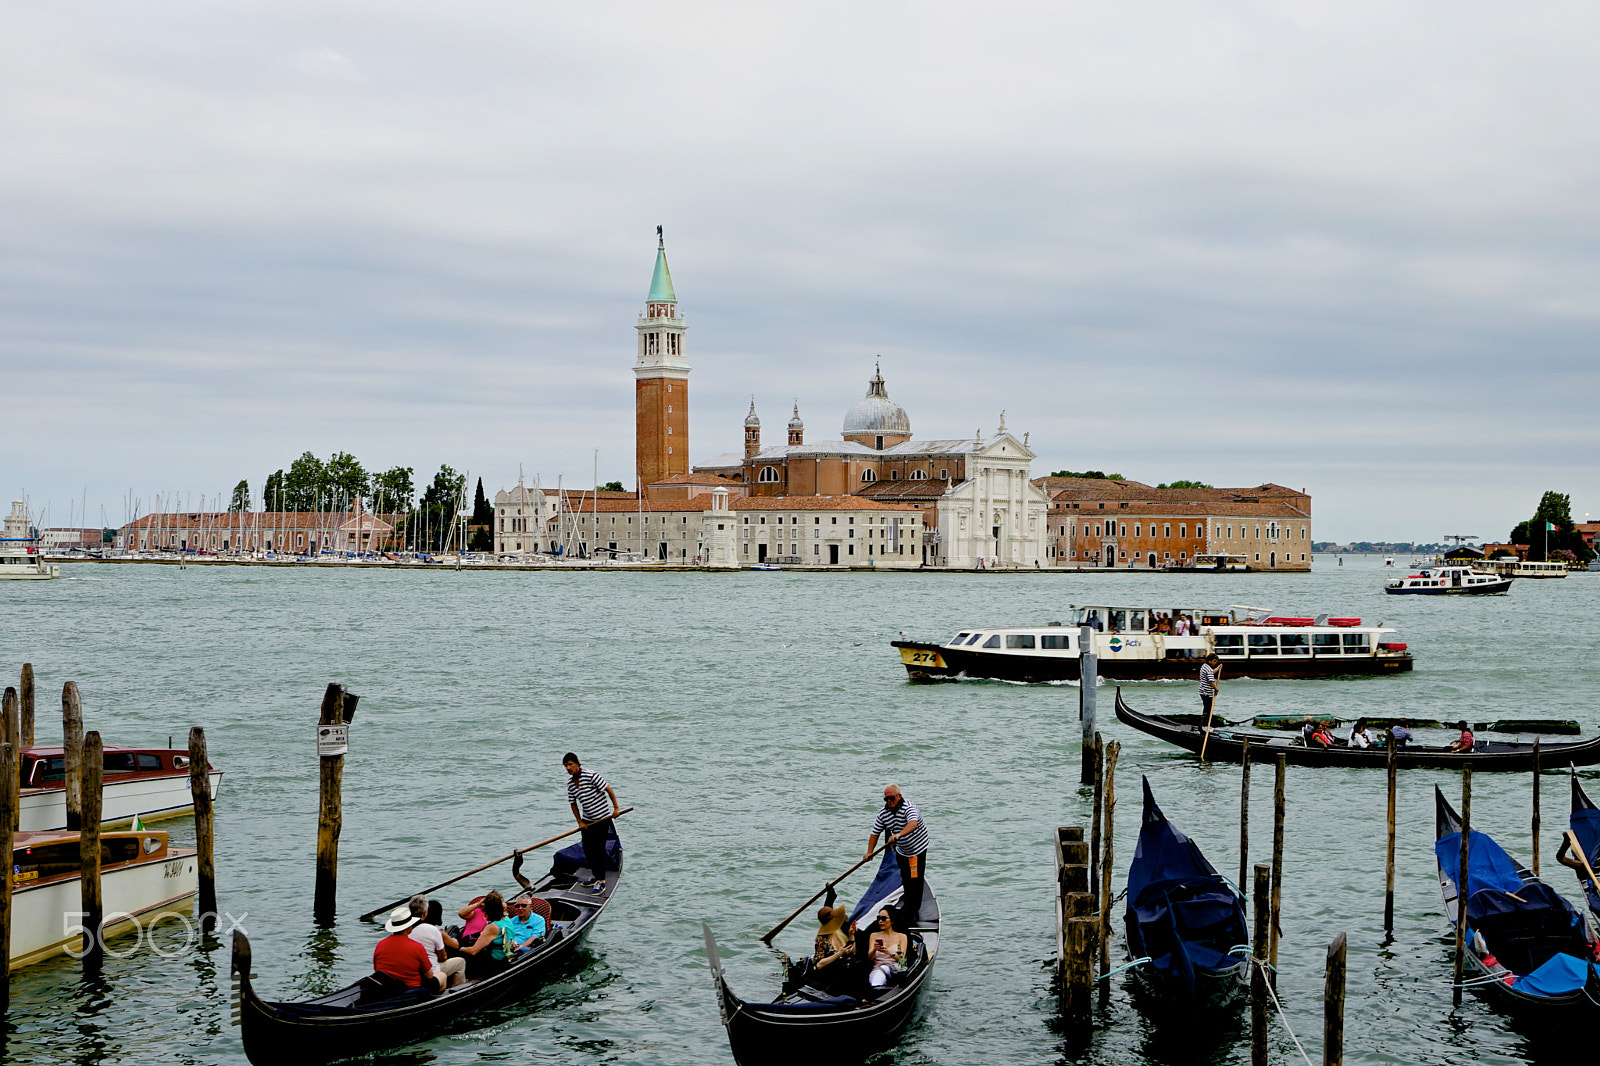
(1572, 839)
(370, 915)
(1206, 735)
(775, 930)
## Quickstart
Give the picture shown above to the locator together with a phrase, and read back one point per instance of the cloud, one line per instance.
(1344, 246)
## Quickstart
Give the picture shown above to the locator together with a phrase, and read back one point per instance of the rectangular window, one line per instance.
(1058, 642)
(1183, 531)
(1294, 644)
(1263, 643)
(1166, 531)
(1325, 643)
(1136, 529)
(1230, 644)
(1020, 640)
(1357, 644)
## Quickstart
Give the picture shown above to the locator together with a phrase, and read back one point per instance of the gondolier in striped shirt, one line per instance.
(588, 794)
(1208, 685)
(907, 834)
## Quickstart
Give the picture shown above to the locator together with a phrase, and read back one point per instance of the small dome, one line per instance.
(751, 419)
(795, 423)
(877, 413)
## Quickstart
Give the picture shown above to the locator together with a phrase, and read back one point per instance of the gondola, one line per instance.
(1585, 825)
(811, 1024)
(1184, 917)
(340, 1025)
(1527, 947)
(1227, 743)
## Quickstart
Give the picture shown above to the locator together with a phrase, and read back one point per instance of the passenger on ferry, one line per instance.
(886, 950)
(1359, 737)
(446, 971)
(1464, 741)
(491, 952)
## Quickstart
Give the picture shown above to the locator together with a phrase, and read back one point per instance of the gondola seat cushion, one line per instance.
(1559, 976)
(1526, 929)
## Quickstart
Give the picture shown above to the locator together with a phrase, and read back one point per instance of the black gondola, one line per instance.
(1526, 945)
(1185, 918)
(1585, 825)
(1227, 743)
(811, 1024)
(340, 1025)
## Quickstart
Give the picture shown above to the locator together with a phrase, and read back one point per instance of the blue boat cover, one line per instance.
(1488, 865)
(1585, 825)
(1180, 912)
(885, 883)
(1560, 976)
(571, 859)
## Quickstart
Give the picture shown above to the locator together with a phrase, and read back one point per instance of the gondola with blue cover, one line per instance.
(1527, 947)
(840, 1022)
(1585, 825)
(1185, 917)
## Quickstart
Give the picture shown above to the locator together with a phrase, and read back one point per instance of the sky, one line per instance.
(1349, 247)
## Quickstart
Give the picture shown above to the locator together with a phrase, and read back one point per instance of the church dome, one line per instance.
(876, 413)
(751, 420)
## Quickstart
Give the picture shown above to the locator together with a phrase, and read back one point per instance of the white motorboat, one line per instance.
(147, 783)
(1448, 581)
(142, 878)
(20, 556)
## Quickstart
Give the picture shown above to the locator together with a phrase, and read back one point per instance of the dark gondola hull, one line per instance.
(1227, 744)
(935, 662)
(1585, 825)
(304, 1035)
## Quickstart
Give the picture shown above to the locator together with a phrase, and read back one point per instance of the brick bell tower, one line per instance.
(661, 396)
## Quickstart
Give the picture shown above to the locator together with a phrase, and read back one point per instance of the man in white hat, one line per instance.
(399, 957)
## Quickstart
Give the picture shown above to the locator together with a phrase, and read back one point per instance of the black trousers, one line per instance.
(594, 847)
(1205, 706)
(913, 881)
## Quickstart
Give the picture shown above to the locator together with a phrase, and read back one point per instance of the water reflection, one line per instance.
(318, 974)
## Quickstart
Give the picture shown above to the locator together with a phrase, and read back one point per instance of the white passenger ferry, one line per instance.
(20, 557)
(1131, 646)
(1448, 581)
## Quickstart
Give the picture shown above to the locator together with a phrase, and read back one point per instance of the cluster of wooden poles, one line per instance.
(84, 757)
(1083, 880)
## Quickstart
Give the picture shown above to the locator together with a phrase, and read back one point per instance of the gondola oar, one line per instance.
(775, 930)
(1210, 714)
(370, 915)
(1577, 849)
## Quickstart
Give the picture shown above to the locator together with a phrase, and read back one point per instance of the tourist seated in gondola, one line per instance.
(400, 964)
(833, 949)
(1359, 736)
(491, 952)
(446, 970)
(528, 927)
(1316, 735)
(1465, 741)
(1399, 735)
(886, 950)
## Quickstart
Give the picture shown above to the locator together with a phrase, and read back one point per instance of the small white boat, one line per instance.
(1448, 581)
(20, 556)
(147, 783)
(141, 879)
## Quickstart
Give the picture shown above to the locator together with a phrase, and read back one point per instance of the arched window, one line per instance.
(919, 475)
(768, 474)
(869, 475)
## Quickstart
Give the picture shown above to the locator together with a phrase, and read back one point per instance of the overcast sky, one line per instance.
(1343, 246)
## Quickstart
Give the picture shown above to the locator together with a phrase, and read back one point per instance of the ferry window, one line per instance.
(1263, 643)
(1325, 643)
(1230, 644)
(153, 762)
(1355, 643)
(1060, 642)
(977, 637)
(1136, 625)
(1020, 640)
(1119, 620)
(960, 638)
(1294, 644)
(992, 642)
(56, 769)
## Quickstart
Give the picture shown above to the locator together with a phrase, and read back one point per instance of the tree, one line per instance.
(441, 507)
(482, 513)
(392, 490)
(611, 486)
(303, 485)
(1095, 475)
(1550, 530)
(1185, 485)
(272, 492)
(241, 497)
(343, 479)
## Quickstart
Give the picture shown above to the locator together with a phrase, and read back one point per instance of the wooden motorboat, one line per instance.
(1129, 647)
(1448, 581)
(1184, 917)
(141, 878)
(343, 1025)
(839, 1023)
(1227, 744)
(1527, 947)
(147, 783)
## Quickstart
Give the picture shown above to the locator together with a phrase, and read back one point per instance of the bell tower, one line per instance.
(661, 391)
(752, 432)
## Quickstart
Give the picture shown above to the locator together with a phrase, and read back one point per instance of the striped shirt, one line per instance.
(587, 792)
(1208, 680)
(913, 843)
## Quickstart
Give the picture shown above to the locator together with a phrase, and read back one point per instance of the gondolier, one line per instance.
(903, 823)
(587, 793)
(1208, 685)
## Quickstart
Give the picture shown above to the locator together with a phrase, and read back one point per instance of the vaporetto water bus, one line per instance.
(1448, 581)
(1132, 646)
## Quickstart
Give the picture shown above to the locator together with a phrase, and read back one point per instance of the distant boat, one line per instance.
(20, 556)
(1448, 581)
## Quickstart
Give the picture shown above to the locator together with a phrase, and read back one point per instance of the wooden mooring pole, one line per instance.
(204, 823)
(1258, 972)
(1333, 1005)
(1113, 751)
(27, 706)
(72, 753)
(1099, 800)
(10, 733)
(1462, 894)
(1088, 675)
(1244, 816)
(93, 903)
(8, 816)
(1076, 922)
(1388, 864)
(338, 707)
(1536, 806)
(1277, 866)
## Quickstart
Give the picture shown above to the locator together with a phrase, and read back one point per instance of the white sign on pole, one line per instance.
(333, 740)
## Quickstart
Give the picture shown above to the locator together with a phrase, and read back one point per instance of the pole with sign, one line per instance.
(333, 741)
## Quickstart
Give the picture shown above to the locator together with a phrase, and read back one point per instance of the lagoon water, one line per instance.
(753, 720)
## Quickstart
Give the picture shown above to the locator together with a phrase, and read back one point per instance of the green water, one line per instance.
(753, 719)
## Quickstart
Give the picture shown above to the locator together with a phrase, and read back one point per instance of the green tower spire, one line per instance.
(661, 283)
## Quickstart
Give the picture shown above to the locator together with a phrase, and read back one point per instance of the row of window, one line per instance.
(1294, 643)
(1023, 641)
(771, 474)
(1110, 529)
